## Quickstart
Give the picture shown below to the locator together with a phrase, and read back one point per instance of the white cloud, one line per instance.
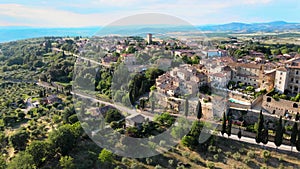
(33, 16)
(257, 1)
(115, 2)
(106, 11)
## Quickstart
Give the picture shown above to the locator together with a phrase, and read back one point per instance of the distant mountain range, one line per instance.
(18, 33)
(254, 27)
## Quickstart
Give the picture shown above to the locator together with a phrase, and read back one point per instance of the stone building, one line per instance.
(247, 73)
(288, 77)
(180, 81)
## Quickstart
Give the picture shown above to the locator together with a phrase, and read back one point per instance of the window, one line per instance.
(295, 105)
(269, 99)
(280, 73)
(279, 82)
(297, 72)
(292, 79)
(297, 81)
(280, 78)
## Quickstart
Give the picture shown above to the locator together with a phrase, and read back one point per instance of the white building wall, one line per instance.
(281, 80)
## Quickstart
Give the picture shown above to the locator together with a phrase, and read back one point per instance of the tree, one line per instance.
(106, 157)
(265, 136)
(199, 110)
(2, 163)
(297, 117)
(178, 131)
(152, 100)
(189, 141)
(260, 127)
(164, 119)
(266, 155)
(22, 161)
(229, 126)
(19, 140)
(62, 139)
(240, 133)
(196, 129)
(279, 133)
(223, 131)
(142, 103)
(298, 142)
(186, 107)
(3, 140)
(293, 139)
(113, 115)
(39, 150)
(66, 162)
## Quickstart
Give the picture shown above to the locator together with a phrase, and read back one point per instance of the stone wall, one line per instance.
(280, 106)
(251, 117)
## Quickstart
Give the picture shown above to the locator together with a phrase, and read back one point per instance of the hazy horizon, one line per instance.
(101, 26)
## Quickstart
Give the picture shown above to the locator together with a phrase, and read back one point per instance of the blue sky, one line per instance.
(78, 13)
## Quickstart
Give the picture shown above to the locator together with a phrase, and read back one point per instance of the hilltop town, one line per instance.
(139, 86)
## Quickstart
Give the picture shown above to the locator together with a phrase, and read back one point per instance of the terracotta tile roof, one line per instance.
(282, 69)
(245, 65)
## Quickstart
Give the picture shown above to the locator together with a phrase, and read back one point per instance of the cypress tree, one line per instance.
(186, 107)
(152, 99)
(298, 142)
(265, 136)
(229, 126)
(199, 110)
(297, 117)
(223, 131)
(279, 133)
(293, 139)
(260, 127)
(240, 133)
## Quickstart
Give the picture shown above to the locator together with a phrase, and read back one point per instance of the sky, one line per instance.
(86, 13)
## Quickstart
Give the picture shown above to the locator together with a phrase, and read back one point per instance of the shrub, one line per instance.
(171, 162)
(185, 154)
(228, 154)
(212, 149)
(205, 100)
(280, 158)
(281, 166)
(237, 156)
(180, 167)
(216, 157)
(149, 161)
(134, 166)
(162, 143)
(125, 160)
(246, 160)
(241, 150)
(210, 165)
(265, 154)
(251, 154)
(158, 167)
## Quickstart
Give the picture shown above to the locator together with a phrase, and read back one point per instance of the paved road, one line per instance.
(252, 141)
(80, 57)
